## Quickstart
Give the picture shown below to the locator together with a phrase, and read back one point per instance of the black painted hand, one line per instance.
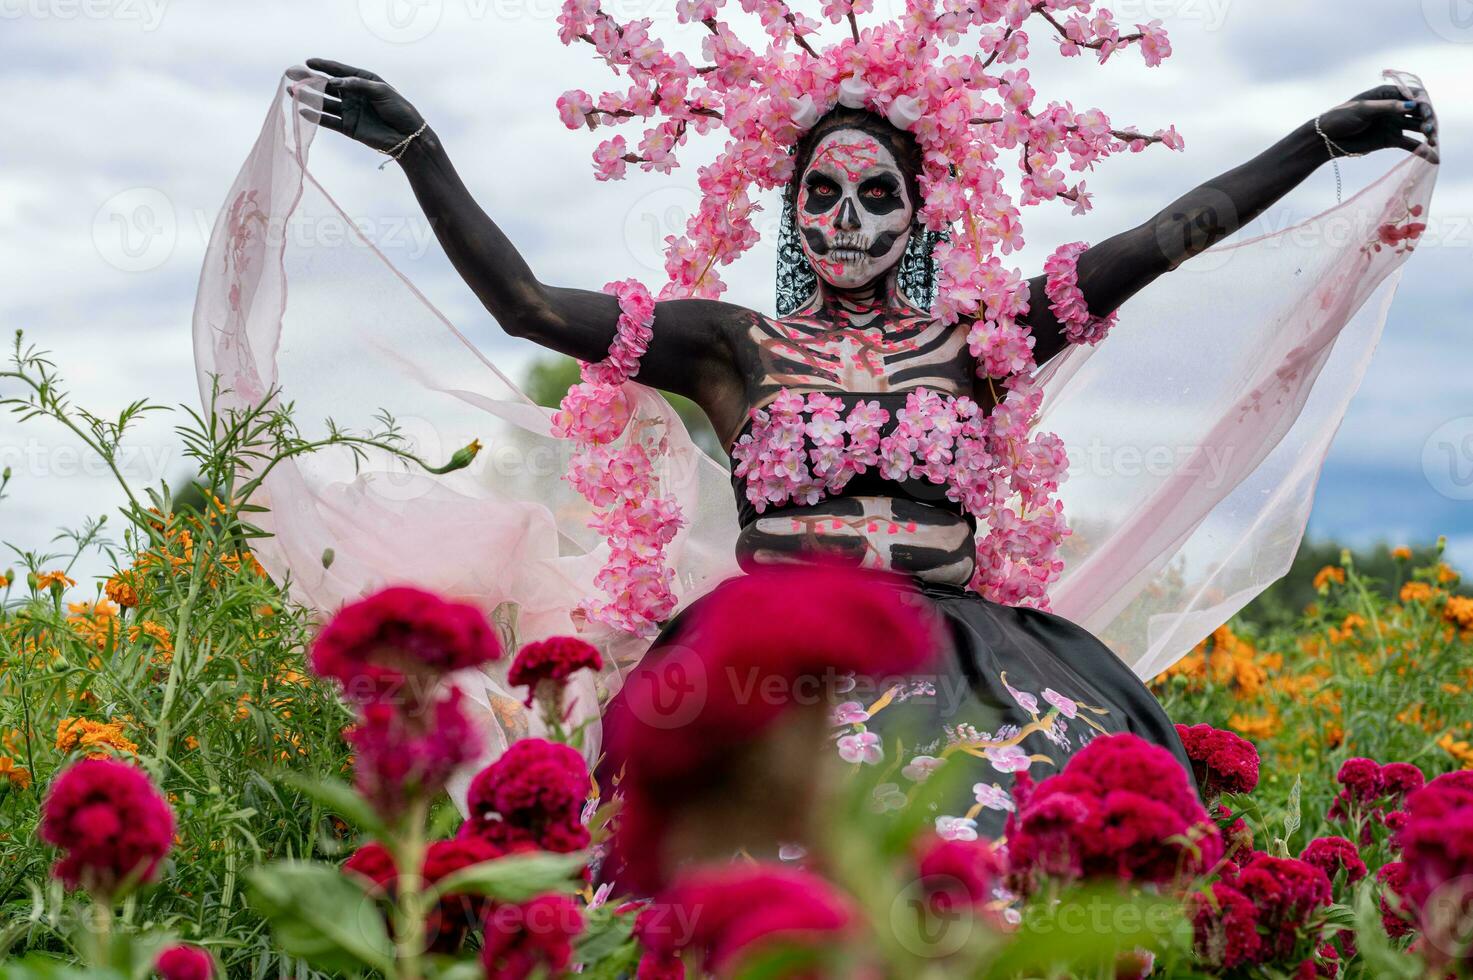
(1379, 119)
(359, 105)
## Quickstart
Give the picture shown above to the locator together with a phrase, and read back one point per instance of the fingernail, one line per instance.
(1409, 105)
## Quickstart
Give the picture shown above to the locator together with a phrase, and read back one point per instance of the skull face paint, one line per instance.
(854, 210)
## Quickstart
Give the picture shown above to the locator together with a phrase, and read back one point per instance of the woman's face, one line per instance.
(854, 210)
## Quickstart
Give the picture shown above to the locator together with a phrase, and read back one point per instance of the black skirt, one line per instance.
(1017, 690)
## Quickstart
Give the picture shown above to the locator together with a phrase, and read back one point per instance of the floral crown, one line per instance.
(966, 110)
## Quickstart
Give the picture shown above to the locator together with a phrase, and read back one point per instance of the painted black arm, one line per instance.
(1119, 267)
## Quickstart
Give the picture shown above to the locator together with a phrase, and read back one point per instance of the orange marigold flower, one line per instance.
(159, 633)
(1459, 611)
(1445, 573)
(1402, 553)
(1461, 752)
(93, 738)
(1417, 592)
(120, 589)
(46, 580)
(17, 776)
(1255, 727)
(1328, 574)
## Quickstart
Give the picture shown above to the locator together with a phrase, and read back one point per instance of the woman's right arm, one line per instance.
(691, 351)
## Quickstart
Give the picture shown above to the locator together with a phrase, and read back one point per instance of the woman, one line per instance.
(1022, 688)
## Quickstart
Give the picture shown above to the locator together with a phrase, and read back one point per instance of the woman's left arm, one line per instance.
(1119, 267)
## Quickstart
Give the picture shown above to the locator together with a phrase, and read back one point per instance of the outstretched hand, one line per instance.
(1382, 118)
(358, 104)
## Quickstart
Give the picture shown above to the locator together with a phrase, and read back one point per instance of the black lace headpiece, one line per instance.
(796, 279)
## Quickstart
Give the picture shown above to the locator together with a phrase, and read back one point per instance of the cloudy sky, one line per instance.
(127, 120)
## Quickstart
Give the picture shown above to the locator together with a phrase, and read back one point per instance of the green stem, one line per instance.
(102, 926)
(409, 912)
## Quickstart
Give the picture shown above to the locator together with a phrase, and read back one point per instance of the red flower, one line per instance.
(401, 636)
(1361, 779)
(1237, 836)
(400, 757)
(1396, 913)
(114, 826)
(1333, 855)
(758, 651)
(1225, 924)
(184, 963)
(1400, 778)
(533, 794)
(1122, 808)
(748, 649)
(551, 662)
(454, 915)
(1222, 761)
(1285, 892)
(521, 938)
(726, 912)
(1437, 850)
(959, 872)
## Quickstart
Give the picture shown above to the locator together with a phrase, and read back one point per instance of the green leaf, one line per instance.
(322, 916)
(1294, 816)
(603, 934)
(516, 878)
(339, 798)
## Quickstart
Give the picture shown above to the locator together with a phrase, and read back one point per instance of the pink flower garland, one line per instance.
(618, 480)
(1067, 301)
(799, 450)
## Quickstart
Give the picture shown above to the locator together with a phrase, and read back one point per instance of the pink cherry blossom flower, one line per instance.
(862, 748)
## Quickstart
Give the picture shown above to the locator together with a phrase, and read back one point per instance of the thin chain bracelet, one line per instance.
(1333, 148)
(398, 150)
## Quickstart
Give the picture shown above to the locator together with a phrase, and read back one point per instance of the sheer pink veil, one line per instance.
(1196, 431)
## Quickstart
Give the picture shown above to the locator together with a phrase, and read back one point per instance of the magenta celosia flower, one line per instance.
(727, 912)
(748, 648)
(1222, 761)
(1361, 779)
(454, 915)
(757, 650)
(544, 668)
(533, 794)
(401, 757)
(1225, 922)
(1333, 855)
(1396, 912)
(399, 641)
(184, 962)
(958, 872)
(111, 823)
(1437, 851)
(538, 935)
(1122, 808)
(1400, 778)
(1285, 891)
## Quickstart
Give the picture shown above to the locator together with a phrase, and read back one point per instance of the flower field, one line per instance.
(199, 778)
